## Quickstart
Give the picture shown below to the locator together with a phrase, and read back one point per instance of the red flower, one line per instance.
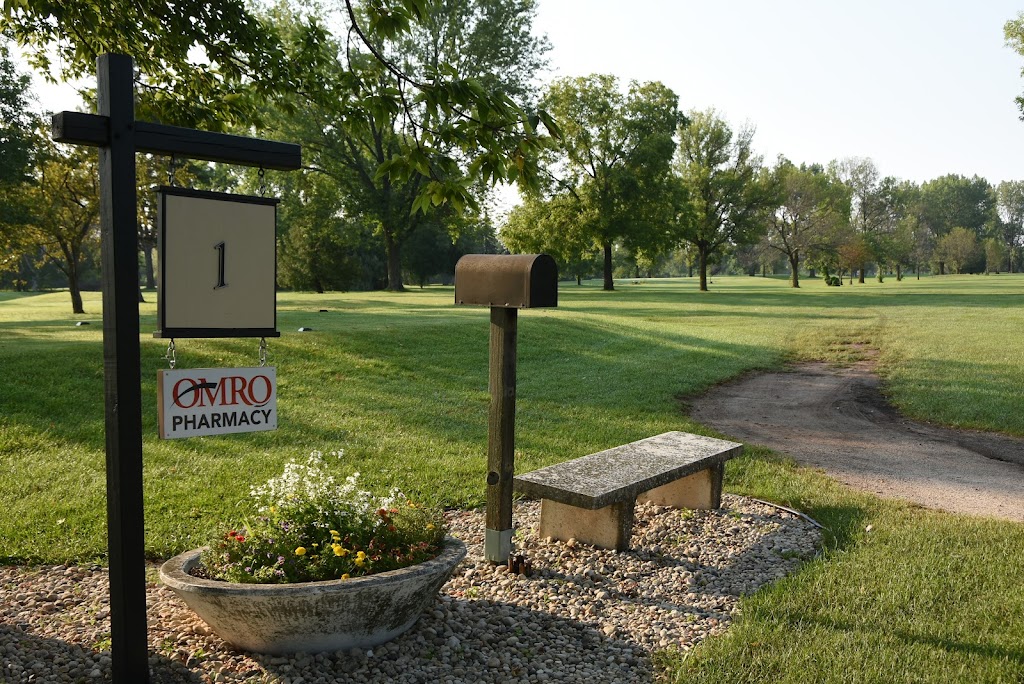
(239, 539)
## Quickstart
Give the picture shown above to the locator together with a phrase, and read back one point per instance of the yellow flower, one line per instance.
(301, 551)
(339, 550)
(334, 533)
(345, 576)
(360, 559)
(430, 526)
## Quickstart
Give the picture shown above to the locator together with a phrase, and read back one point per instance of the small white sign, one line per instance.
(216, 401)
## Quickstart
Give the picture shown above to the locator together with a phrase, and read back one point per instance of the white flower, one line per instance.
(310, 484)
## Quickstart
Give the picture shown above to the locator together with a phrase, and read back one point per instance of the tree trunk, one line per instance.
(142, 298)
(702, 268)
(147, 257)
(689, 269)
(942, 268)
(608, 282)
(76, 294)
(794, 273)
(880, 274)
(579, 279)
(394, 262)
(860, 275)
(899, 273)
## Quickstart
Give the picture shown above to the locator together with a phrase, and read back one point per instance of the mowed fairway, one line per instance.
(399, 381)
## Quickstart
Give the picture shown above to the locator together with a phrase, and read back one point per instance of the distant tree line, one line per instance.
(410, 112)
(689, 195)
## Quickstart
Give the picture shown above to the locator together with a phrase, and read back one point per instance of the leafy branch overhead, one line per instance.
(218, 65)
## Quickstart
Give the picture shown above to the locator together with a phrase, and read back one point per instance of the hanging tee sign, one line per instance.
(216, 401)
(218, 264)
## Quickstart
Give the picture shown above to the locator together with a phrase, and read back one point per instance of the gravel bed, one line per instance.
(581, 615)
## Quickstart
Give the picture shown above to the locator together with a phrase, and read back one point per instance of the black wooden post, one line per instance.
(118, 136)
(123, 381)
(501, 441)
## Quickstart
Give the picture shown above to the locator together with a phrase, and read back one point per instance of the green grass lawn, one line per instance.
(400, 383)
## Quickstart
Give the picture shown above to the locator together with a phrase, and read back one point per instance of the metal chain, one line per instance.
(169, 356)
(263, 182)
(172, 171)
(263, 352)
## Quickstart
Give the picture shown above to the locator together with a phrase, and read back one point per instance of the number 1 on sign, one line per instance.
(220, 266)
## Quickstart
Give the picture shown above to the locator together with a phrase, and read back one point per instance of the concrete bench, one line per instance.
(591, 498)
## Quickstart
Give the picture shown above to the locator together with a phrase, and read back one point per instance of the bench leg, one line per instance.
(703, 489)
(609, 527)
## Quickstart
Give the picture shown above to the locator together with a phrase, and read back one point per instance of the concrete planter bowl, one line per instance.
(313, 616)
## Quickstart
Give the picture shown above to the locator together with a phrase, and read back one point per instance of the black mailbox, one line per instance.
(514, 281)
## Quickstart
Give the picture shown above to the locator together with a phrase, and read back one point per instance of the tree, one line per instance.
(399, 157)
(319, 247)
(1013, 31)
(434, 254)
(64, 223)
(953, 201)
(957, 248)
(1010, 204)
(16, 122)
(758, 256)
(728, 197)
(995, 255)
(200, 64)
(892, 242)
(553, 226)
(209, 65)
(811, 206)
(854, 252)
(867, 211)
(16, 147)
(614, 162)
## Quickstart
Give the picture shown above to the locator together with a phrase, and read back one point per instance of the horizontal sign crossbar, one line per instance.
(92, 129)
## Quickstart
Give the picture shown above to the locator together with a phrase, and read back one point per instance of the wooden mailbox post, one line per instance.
(506, 283)
(119, 136)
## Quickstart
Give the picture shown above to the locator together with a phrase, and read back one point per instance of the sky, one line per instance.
(922, 88)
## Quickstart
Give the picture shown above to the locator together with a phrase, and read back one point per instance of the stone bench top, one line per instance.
(624, 472)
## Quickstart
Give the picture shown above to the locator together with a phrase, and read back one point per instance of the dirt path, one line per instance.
(837, 419)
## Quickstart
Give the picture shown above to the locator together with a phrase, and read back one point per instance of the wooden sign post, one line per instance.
(506, 283)
(118, 136)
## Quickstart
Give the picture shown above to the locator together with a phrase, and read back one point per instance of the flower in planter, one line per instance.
(305, 526)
